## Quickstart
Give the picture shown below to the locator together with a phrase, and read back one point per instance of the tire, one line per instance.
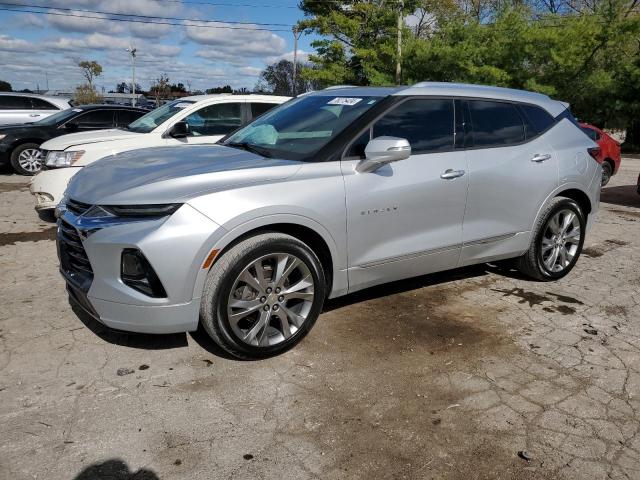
(47, 215)
(607, 171)
(227, 297)
(26, 160)
(535, 263)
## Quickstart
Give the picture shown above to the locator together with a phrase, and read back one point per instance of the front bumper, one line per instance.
(48, 186)
(175, 247)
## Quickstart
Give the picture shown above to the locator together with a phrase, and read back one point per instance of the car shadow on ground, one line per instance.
(114, 469)
(623, 195)
(200, 336)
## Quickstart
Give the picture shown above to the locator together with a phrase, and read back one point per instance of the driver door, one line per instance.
(405, 219)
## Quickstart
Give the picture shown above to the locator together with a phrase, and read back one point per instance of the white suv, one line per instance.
(16, 108)
(188, 121)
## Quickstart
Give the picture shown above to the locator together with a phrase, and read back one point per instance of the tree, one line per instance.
(225, 89)
(124, 87)
(86, 95)
(278, 78)
(160, 88)
(5, 86)
(90, 70)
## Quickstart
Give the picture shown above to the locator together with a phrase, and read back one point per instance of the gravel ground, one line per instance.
(445, 376)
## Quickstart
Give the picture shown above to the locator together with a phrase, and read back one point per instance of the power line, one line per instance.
(130, 20)
(143, 16)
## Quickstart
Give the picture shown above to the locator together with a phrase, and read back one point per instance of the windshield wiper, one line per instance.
(249, 147)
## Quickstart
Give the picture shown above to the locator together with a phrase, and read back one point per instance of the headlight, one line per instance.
(2, 136)
(63, 159)
(137, 211)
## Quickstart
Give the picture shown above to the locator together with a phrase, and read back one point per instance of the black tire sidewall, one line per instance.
(222, 296)
(16, 153)
(564, 204)
(607, 171)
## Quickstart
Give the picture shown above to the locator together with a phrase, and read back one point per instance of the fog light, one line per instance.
(43, 198)
(137, 273)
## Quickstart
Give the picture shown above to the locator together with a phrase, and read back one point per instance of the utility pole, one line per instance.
(296, 35)
(133, 51)
(399, 45)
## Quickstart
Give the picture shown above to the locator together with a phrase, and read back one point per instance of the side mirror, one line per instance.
(179, 130)
(383, 150)
(71, 126)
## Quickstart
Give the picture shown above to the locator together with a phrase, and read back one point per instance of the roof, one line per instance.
(244, 96)
(454, 90)
(110, 106)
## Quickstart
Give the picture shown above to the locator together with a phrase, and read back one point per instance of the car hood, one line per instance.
(173, 174)
(82, 138)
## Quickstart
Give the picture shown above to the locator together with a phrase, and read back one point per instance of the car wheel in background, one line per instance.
(26, 159)
(557, 241)
(263, 295)
(607, 171)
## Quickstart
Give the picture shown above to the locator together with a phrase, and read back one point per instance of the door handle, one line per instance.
(34, 115)
(539, 158)
(450, 174)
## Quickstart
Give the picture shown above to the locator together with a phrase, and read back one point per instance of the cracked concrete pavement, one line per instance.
(445, 376)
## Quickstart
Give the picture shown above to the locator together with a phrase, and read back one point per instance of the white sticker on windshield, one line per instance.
(182, 105)
(349, 101)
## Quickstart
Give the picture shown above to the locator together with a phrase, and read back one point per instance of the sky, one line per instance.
(36, 48)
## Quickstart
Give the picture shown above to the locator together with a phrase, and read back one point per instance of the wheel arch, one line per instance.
(581, 198)
(22, 141)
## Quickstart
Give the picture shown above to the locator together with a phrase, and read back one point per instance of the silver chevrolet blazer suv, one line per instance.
(332, 192)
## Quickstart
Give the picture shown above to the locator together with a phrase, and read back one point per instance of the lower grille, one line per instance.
(74, 262)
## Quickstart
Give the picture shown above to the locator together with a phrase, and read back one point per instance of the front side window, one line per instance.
(95, 119)
(298, 129)
(157, 117)
(428, 124)
(217, 119)
(14, 102)
(495, 123)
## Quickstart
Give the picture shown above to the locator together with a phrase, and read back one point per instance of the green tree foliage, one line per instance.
(278, 78)
(90, 70)
(584, 52)
(5, 86)
(86, 95)
(225, 89)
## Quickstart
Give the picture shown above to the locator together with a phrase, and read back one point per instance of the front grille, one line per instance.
(73, 258)
(77, 208)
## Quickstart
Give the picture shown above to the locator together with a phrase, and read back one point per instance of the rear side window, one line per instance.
(495, 123)
(125, 117)
(40, 104)
(428, 124)
(258, 109)
(537, 120)
(95, 119)
(11, 102)
(592, 134)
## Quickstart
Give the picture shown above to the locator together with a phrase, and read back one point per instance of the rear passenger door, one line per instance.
(512, 170)
(41, 109)
(405, 219)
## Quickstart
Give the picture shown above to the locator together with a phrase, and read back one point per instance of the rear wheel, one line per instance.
(607, 171)
(263, 296)
(557, 242)
(26, 159)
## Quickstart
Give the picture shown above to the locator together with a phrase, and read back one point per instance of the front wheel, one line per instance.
(263, 296)
(26, 159)
(557, 241)
(607, 171)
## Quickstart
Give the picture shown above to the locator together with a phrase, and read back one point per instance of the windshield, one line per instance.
(298, 129)
(59, 117)
(156, 117)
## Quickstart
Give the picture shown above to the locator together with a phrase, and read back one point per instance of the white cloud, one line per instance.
(249, 71)
(236, 42)
(11, 44)
(302, 57)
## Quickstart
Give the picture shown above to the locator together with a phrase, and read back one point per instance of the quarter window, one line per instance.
(537, 120)
(495, 123)
(428, 124)
(218, 119)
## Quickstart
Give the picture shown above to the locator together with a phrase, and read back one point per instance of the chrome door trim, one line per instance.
(408, 256)
(496, 238)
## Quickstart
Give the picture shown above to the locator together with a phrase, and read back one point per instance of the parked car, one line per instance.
(333, 192)
(20, 144)
(609, 156)
(16, 108)
(188, 121)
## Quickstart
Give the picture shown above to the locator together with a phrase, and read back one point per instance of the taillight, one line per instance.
(594, 152)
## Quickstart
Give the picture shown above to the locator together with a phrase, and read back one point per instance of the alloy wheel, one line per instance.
(30, 159)
(560, 240)
(270, 299)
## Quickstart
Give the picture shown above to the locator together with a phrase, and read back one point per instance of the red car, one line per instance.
(609, 156)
